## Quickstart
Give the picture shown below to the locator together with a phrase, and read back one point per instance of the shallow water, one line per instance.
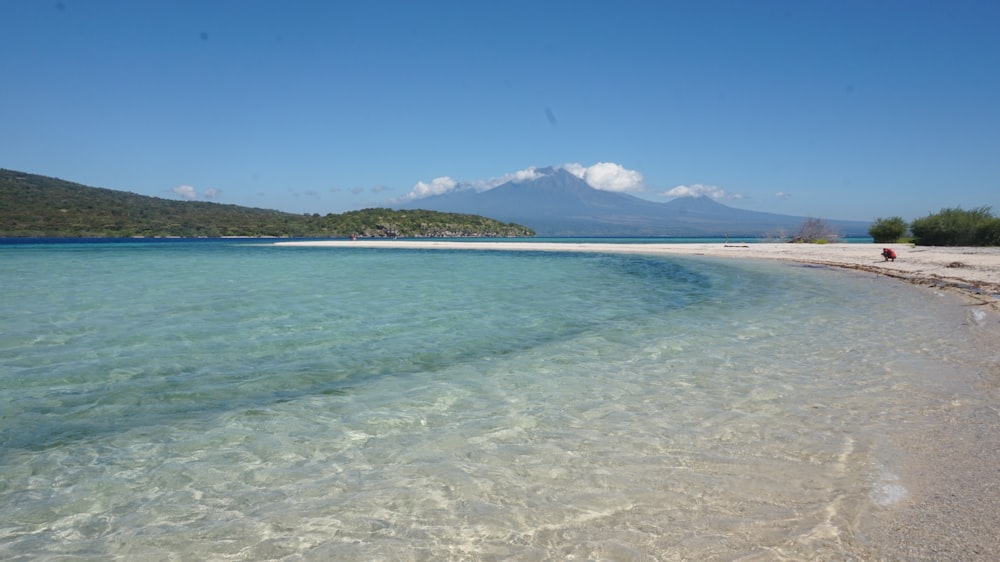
(230, 400)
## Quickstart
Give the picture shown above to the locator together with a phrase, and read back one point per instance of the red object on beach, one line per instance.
(888, 254)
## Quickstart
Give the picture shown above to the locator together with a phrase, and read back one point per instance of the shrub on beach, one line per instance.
(885, 230)
(958, 227)
(816, 231)
(989, 233)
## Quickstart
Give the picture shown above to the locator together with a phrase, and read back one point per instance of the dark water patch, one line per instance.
(193, 329)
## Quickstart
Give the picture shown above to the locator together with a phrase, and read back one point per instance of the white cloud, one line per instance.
(783, 195)
(526, 174)
(185, 192)
(445, 184)
(437, 186)
(578, 170)
(607, 176)
(212, 193)
(699, 190)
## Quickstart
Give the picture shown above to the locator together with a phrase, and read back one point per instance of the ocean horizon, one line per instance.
(230, 399)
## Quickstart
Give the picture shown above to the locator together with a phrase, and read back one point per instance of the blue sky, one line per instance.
(833, 109)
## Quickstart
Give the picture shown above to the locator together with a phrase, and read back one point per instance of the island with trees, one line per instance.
(44, 207)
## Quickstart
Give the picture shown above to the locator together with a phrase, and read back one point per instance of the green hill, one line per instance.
(39, 206)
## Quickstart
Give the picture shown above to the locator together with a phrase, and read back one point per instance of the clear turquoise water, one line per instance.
(235, 400)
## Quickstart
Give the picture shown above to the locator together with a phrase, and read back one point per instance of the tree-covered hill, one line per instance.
(39, 206)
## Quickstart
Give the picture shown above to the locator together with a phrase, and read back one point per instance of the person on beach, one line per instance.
(888, 254)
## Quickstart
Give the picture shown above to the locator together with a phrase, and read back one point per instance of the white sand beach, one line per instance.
(951, 473)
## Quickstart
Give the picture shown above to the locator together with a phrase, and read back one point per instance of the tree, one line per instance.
(887, 229)
(816, 231)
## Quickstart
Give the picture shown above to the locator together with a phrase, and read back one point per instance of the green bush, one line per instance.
(885, 230)
(989, 233)
(957, 227)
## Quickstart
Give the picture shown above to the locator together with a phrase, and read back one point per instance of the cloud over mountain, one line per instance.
(608, 176)
(189, 193)
(185, 192)
(605, 176)
(437, 186)
(698, 190)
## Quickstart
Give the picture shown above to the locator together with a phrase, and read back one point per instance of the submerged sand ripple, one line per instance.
(952, 471)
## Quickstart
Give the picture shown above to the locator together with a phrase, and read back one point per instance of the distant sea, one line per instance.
(234, 400)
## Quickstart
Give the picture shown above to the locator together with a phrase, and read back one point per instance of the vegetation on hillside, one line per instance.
(958, 227)
(887, 230)
(39, 206)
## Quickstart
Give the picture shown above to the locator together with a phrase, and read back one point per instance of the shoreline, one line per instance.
(950, 471)
(973, 272)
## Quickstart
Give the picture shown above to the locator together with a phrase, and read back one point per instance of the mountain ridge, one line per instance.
(558, 203)
(38, 206)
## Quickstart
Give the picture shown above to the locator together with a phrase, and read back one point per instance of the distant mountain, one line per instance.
(560, 204)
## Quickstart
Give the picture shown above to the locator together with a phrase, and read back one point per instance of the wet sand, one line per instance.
(951, 472)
